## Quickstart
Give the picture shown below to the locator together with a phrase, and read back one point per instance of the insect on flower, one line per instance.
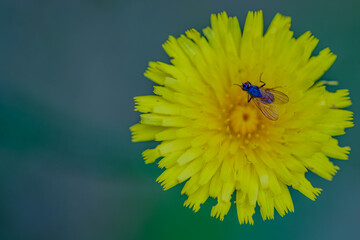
(219, 146)
(264, 98)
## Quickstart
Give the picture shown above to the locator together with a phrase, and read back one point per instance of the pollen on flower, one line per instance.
(243, 119)
(216, 143)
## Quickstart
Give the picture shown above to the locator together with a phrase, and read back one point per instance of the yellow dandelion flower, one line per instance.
(218, 143)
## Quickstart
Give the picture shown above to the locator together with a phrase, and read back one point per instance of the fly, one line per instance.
(265, 98)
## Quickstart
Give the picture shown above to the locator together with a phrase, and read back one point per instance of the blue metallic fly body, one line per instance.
(264, 98)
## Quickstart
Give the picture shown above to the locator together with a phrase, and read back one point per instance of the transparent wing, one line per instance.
(273, 96)
(268, 109)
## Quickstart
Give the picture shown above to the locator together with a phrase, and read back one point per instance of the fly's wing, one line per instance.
(268, 109)
(275, 96)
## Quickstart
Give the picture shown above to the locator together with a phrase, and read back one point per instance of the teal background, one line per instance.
(68, 73)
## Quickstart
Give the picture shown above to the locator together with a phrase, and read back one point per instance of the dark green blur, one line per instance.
(68, 73)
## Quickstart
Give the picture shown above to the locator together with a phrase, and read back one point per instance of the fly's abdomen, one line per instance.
(267, 98)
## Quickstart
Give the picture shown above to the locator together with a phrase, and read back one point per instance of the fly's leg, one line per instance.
(249, 98)
(261, 80)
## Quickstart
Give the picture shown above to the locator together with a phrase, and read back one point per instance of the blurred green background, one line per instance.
(68, 73)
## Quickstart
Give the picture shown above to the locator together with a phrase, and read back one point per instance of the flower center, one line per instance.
(243, 119)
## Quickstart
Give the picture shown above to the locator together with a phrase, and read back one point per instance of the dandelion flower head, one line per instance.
(223, 147)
